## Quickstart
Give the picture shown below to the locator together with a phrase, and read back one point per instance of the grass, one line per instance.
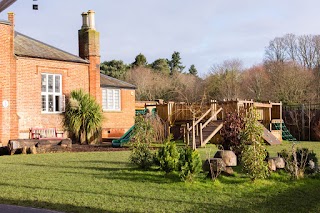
(105, 182)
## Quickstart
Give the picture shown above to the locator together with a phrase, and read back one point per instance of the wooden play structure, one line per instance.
(199, 123)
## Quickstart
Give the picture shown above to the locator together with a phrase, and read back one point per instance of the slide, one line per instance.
(269, 137)
(124, 139)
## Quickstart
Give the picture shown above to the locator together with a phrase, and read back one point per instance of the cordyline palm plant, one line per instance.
(83, 117)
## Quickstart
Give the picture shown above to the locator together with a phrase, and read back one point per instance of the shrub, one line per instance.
(83, 117)
(311, 159)
(168, 157)
(141, 155)
(232, 127)
(159, 127)
(254, 153)
(299, 161)
(143, 131)
(190, 164)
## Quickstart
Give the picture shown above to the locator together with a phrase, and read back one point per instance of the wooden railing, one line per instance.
(198, 126)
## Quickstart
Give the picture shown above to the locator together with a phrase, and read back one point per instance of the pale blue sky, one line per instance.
(205, 32)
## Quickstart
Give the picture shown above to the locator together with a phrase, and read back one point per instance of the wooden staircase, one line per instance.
(201, 131)
(208, 133)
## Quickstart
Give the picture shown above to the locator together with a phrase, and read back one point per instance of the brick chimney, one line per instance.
(89, 48)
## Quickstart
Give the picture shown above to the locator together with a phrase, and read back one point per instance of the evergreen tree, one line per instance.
(253, 153)
(193, 70)
(140, 60)
(175, 63)
(161, 65)
(115, 68)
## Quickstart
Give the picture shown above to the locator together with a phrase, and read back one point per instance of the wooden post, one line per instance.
(201, 135)
(193, 135)
(197, 130)
(309, 121)
(302, 122)
(188, 135)
(270, 118)
(281, 117)
(184, 134)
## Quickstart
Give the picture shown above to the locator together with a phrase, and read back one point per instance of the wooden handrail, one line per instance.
(212, 134)
(210, 119)
(198, 121)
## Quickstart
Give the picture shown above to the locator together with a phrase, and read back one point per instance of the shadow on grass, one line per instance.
(105, 169)
(192, 204)
(301, 196)
(129, 173)
(53, 206)
(102, 162)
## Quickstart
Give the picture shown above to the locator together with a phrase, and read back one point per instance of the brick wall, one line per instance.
(20, 85)
(7, 82)
(74, 76)
(117, 123)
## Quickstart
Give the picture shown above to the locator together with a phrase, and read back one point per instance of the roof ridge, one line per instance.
(118, 81)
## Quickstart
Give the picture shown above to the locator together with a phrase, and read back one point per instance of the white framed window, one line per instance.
(111, 99)
(52, 100)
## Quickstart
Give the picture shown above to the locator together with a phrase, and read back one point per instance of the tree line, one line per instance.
(289, 72)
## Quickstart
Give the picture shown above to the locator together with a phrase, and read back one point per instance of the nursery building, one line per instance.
(36, 80)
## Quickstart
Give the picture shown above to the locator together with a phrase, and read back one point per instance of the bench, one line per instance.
(46, 133)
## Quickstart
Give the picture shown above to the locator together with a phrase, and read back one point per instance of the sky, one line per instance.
(205, 32)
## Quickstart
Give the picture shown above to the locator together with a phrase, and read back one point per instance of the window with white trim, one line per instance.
(111, 99)
(52, 99)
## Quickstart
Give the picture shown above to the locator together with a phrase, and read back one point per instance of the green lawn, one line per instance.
(105, 182)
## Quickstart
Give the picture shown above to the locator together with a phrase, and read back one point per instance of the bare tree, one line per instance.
(290, 41)
(224, 80)
(290, 82)
(276, 51)
(255, 83)
(150, 85)
(306, 51)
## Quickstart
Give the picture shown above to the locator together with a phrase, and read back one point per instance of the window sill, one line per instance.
(113, 111)
(51, 113)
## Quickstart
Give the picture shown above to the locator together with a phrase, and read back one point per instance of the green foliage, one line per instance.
(161, 65)
(83, 117)
(193, 70)
(140, 60)
(141, 155)
(254, 153)
(190, 164)
(143, 131)
(175, 63)
(168, 157)
(143, 134)
(311, 157)
(115, 68)
(299, 161)
(232, 127)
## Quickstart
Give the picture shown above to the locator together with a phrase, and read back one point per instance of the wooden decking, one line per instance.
(200, 120)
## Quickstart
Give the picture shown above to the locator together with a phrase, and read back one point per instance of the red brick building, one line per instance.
(35, 78)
